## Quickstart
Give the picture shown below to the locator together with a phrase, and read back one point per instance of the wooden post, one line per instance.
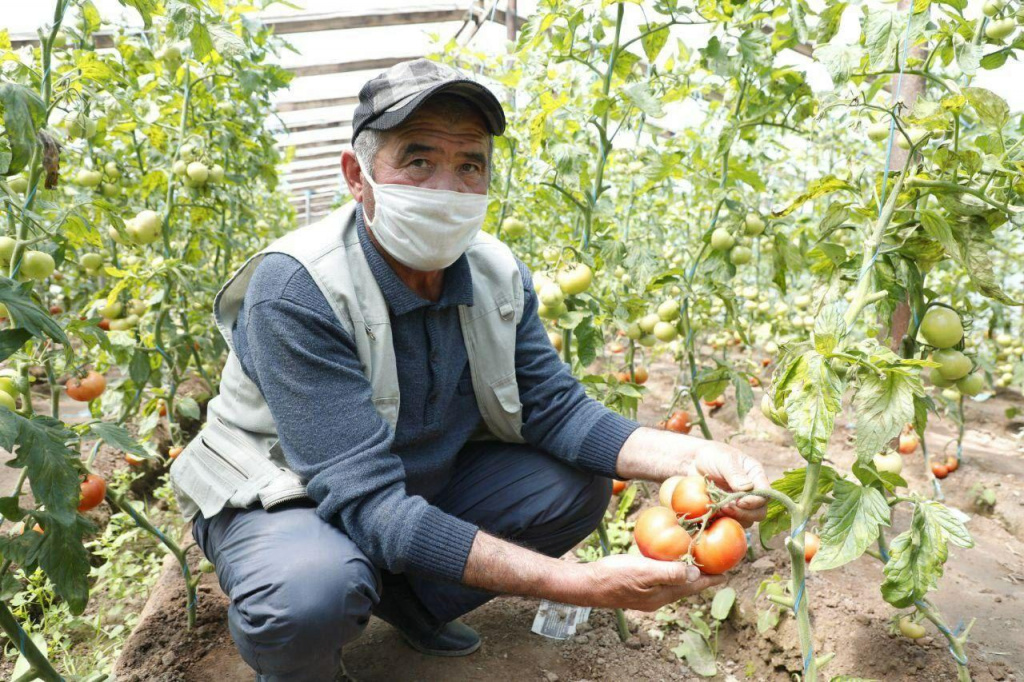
(510, 20)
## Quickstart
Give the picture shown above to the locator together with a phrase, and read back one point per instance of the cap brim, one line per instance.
(470, 90)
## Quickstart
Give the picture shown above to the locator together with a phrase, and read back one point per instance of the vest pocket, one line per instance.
(506, 389)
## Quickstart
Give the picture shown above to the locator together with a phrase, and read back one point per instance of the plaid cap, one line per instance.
(386, 100)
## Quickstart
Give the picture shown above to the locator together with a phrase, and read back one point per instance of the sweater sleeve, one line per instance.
(558, 416)
(308, 371)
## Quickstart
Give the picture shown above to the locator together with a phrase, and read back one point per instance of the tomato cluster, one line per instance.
(685, 500)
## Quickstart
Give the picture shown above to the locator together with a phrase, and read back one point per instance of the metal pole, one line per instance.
(510, 20)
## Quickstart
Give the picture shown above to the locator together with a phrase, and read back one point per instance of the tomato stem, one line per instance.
(41, 667)
(620, 615)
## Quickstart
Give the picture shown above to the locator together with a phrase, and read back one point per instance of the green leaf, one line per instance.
(916, 556)
(792, 485)
(841, 61)
(851, 524)
(767, 620)
(812, 405)
(139, 368)
(226, 42)
(588, 340)
(626, 500)
(992, 109)
(624, 64)
(654, 41)
(829, 328)
(817, 188)
(11, 341)
(744, 395)
(145, 8)
(829, 20)
(26, 314)
(10, 509)
(641, 96)
(884, 405)
(39, 446)
(23, 115)
(721, 605)
(187, 407)
(697, 654)
(118, 437)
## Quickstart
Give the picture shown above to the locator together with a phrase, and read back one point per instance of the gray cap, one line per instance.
(390, 98)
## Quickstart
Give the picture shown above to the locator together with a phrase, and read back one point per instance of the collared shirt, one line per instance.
(376, 484)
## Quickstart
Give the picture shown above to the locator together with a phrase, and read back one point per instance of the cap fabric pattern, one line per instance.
(386, 100)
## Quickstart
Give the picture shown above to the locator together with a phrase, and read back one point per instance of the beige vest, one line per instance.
(236, 458)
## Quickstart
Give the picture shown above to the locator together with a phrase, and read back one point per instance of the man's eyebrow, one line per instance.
(479, 157)
(416, 148)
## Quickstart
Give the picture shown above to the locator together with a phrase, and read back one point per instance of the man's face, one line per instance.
(438, 147)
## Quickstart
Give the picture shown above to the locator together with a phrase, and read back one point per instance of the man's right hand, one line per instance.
(633, 582)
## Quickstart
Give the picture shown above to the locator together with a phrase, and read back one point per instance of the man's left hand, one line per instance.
(733, 471)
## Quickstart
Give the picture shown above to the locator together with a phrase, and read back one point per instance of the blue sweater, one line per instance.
(376, 484)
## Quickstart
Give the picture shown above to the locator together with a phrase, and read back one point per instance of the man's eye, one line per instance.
(419, 163)
(470, 168)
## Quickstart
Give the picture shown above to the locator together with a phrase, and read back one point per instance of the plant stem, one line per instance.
(41, 667)
(795, 545)
(620, 615)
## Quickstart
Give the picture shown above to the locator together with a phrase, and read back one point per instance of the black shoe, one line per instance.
(401, 608)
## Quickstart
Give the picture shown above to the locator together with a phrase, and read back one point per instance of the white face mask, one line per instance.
(425, 229)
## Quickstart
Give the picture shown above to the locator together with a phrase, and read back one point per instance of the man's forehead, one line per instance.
(432, 130)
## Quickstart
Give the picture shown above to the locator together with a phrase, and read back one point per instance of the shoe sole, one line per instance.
(447, 653)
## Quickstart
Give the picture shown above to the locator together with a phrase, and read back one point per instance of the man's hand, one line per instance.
(731, 470)
(632, 582)
(655, 455)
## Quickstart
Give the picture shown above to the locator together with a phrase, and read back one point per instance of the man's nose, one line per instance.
(446, 178)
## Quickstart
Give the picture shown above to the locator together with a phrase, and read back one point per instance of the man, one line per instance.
(394, 433)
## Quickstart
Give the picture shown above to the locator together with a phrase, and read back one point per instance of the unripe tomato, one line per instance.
(952, 463)
(971, 385)
(134, 460)
(179, 167)
(908, 443)
(9, 384)
(740, 255)
(916, 136)
(669, 310)
(640, 375)
(715, 403)
(939, 470)
(618, 486)
(556, 340)
(7, 245)
(1000, 28)
(690, 498)
(575, 279)
(939, 381)
(7, 400)
(110, 190)
(551, 295)
(811, 544)
(679, 422)
(941, 327)
(513, 227)
(648, 322)
(176, 450)
(111, 169)
(991, 8)
(665, 331)
(552, 312)
(112, 310)
(88, 178)
(206, 566)
(88, 388)
(216, 173)
(197, 172)
(753, 225)
(93, 490)
(668, 486)
(82, 127)
(722, 240)
(889, 462)
(658, 535)
(953, 364)
(37, 265)
(911, 629)
(721, 547)
(18, 184)
(878, 131)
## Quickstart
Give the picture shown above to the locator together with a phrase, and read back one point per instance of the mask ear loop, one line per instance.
(363, 168)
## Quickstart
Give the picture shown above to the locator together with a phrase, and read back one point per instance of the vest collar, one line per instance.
(457, 288)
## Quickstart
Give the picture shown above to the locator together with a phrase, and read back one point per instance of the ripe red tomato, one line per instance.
(163, 409)
(88, 388)
(623, 377)
(811, 544)
(721, 547)
(617, 485)
(716, 403)
(104, 324)
(766, 361)
(690, 497)
(134, 460)
(658, 535)
(640, 374)
(952, 464)
(56, 310)
(754, 381)
(679, 422)
(939, 470)
(908, 443)
(93, 490)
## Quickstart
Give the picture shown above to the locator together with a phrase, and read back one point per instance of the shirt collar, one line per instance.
(457, 288)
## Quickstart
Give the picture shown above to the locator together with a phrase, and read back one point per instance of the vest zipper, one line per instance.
(369, 332)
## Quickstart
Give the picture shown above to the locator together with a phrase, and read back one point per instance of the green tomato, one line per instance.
(575, 279)
(878, 131)
(7, 245)
(669, 310)
(941, 327)
(971, 385)
(144, 228)
(18, 184)
(514, 228)
(110, 190)
(740, 255)
(37, 265)
(937, 379)
(634, 332)
(648, 340)
(953, 364)
(88, 178)
(112, 171)
(112, 311)
(916, 136)
(91, 261)
(216, 173)
(197, 172)
(911, 629)
(8, 401)
(992, 8)
(82, 127)
(665, 331)
(753, 225)
(722, 239)
(551, 295)
(647, 322)
(1000, 28)
(179, 167)
(9, 385)
(890, 462)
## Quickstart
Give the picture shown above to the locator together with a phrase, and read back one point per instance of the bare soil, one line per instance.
(850, 618)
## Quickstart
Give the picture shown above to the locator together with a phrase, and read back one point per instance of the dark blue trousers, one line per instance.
(300, 589)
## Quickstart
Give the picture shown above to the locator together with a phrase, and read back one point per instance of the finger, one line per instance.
(745, 517)
(732, 469)
(676, 592)
(756, 473)
(752, 502)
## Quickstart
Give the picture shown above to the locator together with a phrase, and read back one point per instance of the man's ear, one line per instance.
(352, 171)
